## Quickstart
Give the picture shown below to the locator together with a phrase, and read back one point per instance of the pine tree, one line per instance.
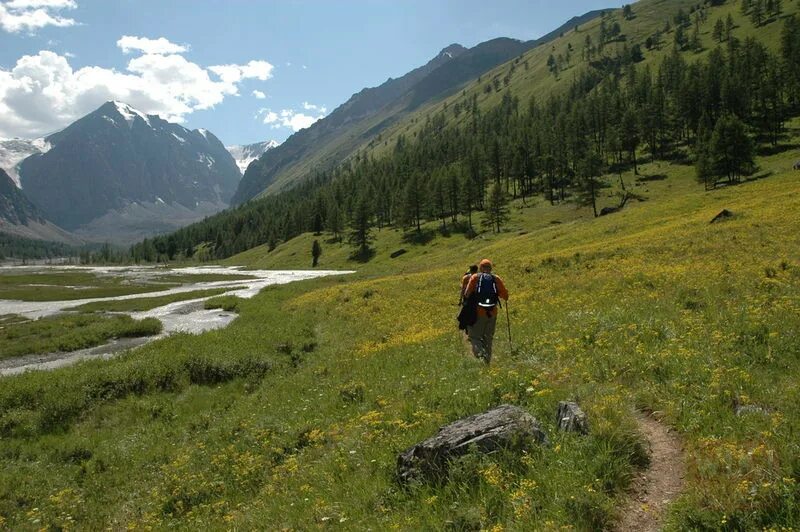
(719, 31)
(731, 149)
(627, 12)
(361, 227)
(497, 213)
(590, 169)
(316, 253)
(757, 12)
(413, 202)
(703, 168)
(630, 137)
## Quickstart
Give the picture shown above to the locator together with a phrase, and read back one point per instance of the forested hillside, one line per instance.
(710, 83)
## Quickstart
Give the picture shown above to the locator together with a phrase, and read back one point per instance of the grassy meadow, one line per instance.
(292, 417)
(68, 332)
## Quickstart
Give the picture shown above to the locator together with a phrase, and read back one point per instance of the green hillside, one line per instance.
(637, 97)
(368, 113)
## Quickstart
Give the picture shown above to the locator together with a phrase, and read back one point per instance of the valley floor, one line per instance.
(292, 417)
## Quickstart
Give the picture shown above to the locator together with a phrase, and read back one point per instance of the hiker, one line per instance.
(465, 281)
(489, 289)
(468, 312)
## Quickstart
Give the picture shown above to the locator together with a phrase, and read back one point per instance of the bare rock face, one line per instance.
(570, 418)
(504, 427)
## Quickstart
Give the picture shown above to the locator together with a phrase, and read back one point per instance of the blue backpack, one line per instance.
(487, 291)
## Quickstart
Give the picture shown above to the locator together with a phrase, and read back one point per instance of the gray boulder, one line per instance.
(570, 418)
(504, 427)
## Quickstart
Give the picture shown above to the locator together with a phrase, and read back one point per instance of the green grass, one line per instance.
(226, 303)
(67, 286)
(145, 303)
(292, 417)
(65, 333)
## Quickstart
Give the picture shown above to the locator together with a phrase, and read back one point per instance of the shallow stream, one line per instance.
(182, 316)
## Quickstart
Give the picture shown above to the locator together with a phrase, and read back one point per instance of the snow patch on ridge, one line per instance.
(14, 151)
(244, 155)
(130, 114)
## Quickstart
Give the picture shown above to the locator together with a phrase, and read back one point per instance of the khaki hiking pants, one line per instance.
(481, 335)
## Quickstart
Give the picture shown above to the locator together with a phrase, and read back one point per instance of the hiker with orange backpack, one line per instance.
(488, 290)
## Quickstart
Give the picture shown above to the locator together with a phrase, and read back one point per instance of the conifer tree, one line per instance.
(497, 213)
(719, 31)
(361, 227)
(316, 253)
(731, 149)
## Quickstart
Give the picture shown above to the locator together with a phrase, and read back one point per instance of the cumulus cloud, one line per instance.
(290, 118)
(259, 95)
(18, 16)
(128, 44)
(311, 107)
(235, 73)
(43, 93)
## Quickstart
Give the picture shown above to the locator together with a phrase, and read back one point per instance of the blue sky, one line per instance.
(230, 66)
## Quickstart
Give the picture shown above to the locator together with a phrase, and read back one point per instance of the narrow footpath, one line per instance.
(656, 487)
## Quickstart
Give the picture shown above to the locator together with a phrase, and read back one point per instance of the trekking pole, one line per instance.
(508, 324)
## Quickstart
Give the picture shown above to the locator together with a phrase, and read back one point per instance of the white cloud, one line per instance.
(128, 44)
(311, 107)
(18, 16)
(259, 95)
(33, 4)
(289, 118)
(235, 73)
(42, 93)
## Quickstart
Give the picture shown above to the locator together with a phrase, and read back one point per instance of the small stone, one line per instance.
(570, 418)
(743, 410)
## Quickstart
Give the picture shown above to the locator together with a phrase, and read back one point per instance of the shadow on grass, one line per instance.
(363, 255)
(765, 151)
(420, 237)
(648, 178)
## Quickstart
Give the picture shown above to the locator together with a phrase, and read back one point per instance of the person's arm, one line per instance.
(473, 281)
(501, 288)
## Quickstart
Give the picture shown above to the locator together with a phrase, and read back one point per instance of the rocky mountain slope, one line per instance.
(116, 157)
(19, 217)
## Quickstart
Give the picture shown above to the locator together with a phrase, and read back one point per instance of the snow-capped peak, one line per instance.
(244, 155)
(130, 114)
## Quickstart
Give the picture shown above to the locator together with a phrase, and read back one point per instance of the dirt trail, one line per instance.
(655, 488)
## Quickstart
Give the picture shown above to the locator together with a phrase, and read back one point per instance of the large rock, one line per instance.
(504, 427)
(570, 418)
